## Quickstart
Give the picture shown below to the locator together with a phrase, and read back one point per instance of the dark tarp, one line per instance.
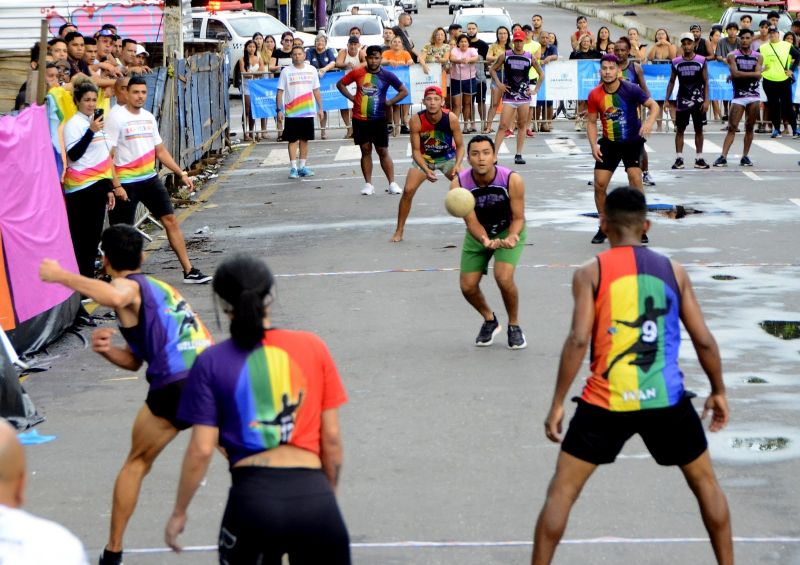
(15, 404)
(42, 330)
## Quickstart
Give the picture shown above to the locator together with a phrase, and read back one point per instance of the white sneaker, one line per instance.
(368, 189)
(394, 188)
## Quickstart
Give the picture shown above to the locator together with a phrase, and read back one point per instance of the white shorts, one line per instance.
(516, 103)
(745, 101)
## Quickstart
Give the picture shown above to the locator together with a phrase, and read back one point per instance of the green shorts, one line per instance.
(444, 165)
(475, 257)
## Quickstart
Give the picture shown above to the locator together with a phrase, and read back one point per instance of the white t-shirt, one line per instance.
(95, 164)
(298, 86)
(28, 540)
(135, 136)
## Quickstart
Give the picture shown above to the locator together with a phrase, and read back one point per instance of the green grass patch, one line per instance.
(710, 11)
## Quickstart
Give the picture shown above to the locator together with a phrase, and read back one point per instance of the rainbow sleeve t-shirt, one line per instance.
(636, 335)
(135, 137)
(94, 165)
(273, 394)
(619, 111)
(371, 88)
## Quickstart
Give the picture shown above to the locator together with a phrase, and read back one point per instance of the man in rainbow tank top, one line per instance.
(629, 302)
(160, 328)
(436, 143)
(495, 228)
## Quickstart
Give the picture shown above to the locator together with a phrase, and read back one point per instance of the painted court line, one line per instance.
(751, 175)
(775, 147)
(448, 544)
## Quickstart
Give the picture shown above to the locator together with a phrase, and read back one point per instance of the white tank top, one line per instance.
(352, 60)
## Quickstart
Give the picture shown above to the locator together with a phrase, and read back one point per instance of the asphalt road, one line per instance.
(445, 457)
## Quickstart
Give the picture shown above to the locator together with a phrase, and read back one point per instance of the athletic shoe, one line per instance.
(516, 339)
(599, 237)
(110, 557)
(196, 277)
(488, 331)
(745, 161)
(721, 161)
(518, 160)
(700, 164)
(529, 132)
(647, 179)
(368, 189)
(678, 164)
(394, 188)
(305, 172)
(796, 134)
(404, 129)
(775, 133)
(645, 239)
(293, 174)
(509, 133)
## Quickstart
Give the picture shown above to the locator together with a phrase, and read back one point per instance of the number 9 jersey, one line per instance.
(636, 334)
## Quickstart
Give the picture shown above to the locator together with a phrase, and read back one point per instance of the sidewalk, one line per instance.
(648, 19)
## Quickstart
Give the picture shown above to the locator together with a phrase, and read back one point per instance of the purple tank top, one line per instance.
(492, 201)
(169, 336)
(691, 88)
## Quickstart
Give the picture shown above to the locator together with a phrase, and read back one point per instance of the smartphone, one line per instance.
(98, 113)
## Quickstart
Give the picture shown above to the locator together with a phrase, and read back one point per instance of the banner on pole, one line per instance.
(560, 81)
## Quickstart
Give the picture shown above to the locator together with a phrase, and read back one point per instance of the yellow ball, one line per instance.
(459, 202)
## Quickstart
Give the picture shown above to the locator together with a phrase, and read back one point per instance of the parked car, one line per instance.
(432, 2)
(487, 20)
(237, 26)
(393, 7)
(453, 5)
(410, 6)
(338, 31)
(388, 17)
(344, 5)
(757, 11)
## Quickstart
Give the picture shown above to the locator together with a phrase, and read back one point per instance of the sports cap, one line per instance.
(354, 39)
(687, 36)
(519, 35)
(140, 50)
(434, 90)
(695, 26)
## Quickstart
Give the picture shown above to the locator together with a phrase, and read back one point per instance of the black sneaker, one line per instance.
(647, 180)
(404, 130)
(745, 161)
(721, 162)
(700, 164)
(488, 331)
(645, 239)
(111, 557)
(678, 164)
(599, 237)
(195, 277)
(516, 339)
(518, 160)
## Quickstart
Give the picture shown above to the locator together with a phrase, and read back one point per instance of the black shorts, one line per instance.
(164, 401)
(370, 131)
(673, 435)
(298, 129)
(150, 192)
(274, 511)
(696, 114)
(629, 152)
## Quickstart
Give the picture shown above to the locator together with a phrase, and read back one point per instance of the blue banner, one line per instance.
(588, 77)
(405, 77)
(262, 97)
(656, 76)
(332, 99)
(719, 86)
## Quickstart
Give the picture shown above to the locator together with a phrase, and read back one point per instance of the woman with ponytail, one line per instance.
(269, 397)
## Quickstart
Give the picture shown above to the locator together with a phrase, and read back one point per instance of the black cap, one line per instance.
(374, 49)
(354, 39)
(694, 27)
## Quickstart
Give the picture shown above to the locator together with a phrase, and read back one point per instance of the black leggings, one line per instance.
(86, 212)
(272, 512)
(779, 102)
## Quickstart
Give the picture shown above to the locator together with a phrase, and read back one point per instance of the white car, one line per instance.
(371, 27)
(487, 20)
(453, 5)
(393, 7)
(432, 2)
(409, 6)
(237, 26)
(388, 17)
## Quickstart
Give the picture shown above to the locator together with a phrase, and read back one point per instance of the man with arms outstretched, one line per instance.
(630, 300)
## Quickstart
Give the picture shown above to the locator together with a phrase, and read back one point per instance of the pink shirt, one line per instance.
(462, 71)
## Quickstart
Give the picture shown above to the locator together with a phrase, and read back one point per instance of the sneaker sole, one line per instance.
(496, 331)
(198, 281)
(523, 345)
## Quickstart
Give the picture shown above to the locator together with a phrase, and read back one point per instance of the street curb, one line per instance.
(616, 17)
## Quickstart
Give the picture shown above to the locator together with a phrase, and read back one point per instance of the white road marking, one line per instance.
(751, 175)
(348, 153)
(567, 146)
(708, 146)
(276, 157)
(411, 544)
(795, 201)
(775, 147)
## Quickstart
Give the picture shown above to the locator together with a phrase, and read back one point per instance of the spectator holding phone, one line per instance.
(87, 180)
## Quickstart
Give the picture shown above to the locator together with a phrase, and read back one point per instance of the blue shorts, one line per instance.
(467, 86)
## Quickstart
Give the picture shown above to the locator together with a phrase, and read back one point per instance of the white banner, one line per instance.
(561, 80)
(420, 81)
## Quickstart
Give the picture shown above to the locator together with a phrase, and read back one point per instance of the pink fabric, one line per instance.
(462, 71)
(33, 217)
